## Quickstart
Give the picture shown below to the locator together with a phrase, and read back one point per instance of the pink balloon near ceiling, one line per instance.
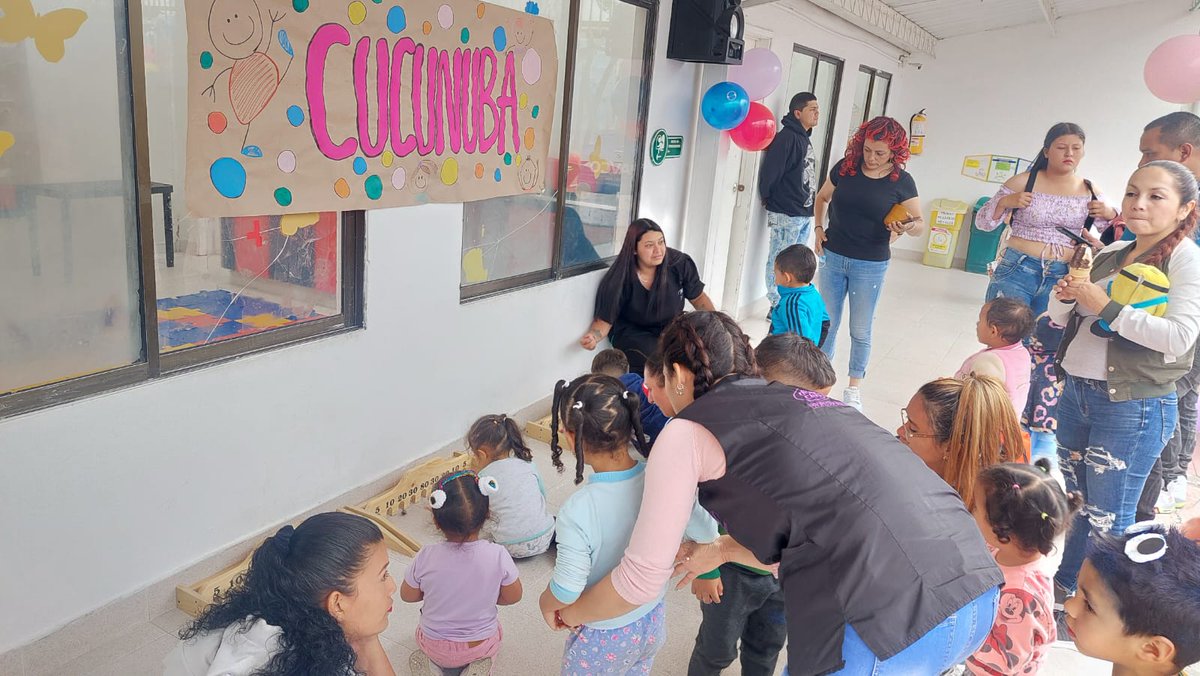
(1172, 71)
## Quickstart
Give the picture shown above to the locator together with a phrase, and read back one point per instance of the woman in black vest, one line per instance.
(879, 560)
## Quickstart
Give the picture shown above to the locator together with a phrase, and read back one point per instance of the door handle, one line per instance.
(741, 188)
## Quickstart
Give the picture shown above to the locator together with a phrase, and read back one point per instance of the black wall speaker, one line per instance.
(706, 31)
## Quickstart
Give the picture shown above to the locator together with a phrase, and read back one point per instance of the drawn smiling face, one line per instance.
(528, 174)
(235, 27)
(522, 32)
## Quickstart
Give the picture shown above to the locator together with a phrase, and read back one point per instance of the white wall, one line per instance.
(102, 497)
(801, 23)
(998, 92)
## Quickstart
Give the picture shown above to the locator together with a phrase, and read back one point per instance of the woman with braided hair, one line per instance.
(879, 560)
(315, 600)
(1119, 362)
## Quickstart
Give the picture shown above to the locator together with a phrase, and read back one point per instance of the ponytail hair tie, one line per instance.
(578, 406)
(437, 499)
(624, 394)
(1016, 487)
(488, 485)
(283, 540)
(1045, 516)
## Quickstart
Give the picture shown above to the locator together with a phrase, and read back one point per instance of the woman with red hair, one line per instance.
(863, 187)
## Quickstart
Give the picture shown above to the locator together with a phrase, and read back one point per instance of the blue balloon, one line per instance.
(725, 105)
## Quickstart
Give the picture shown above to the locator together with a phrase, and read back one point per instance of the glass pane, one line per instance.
(800, 76)
(827, 77)
(858, 114)
(221, 278)
(879, 94)
(509, 236)
(605, 129)
(68, 224)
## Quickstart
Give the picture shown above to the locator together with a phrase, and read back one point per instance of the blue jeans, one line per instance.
(785, 231)
(947, 644)
(1031, 280)
(862, 281)
(1105, 451)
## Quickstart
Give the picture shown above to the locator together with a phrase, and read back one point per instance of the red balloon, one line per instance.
(756, 131)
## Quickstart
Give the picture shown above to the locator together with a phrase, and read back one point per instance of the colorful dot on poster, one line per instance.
(524, 101)
(499, 37)
(396, 20)
(341, 188)
(465, 36)
(295, 116)
(374, 187)
(398, 178)
(360, 166)
(300, 5)
(478, 170)
(287, 161)
(532, 8)
(387, 158)
(377, 2)
(426, 28)
(290, 224)
(508, 158)
(228, 177)
(206, 60)
(450, 171)
(518, 160)
(445, 16)
(531, 66)
(217, 122)
(283, 197)
(535, 111)
(357, 12)
(496, 175)
(529, 138)
(479, 10)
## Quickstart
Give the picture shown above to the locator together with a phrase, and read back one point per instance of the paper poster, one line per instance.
(976, 166)
(993, 168)
(296, 107)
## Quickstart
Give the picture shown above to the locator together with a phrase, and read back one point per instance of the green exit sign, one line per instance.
(663, 147)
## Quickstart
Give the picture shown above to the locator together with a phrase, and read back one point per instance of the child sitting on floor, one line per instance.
(614, 363)
(598, 419)
(1021, 510)
(800, 308)
(795, 361)
(1003, 325)
(461, 581)
(521, 522)
(1138, 601)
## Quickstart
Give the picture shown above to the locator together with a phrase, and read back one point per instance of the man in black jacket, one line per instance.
(787, 182)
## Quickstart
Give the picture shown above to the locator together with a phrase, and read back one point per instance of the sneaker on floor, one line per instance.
(481, 667)
(1165, 503)
(419, 664)
(1178, 488)
(852, 396)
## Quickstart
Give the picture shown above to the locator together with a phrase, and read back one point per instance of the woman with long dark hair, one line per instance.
(315, 600)
(1119, 360)
(1035, 204)
(880, 562)
(862, 189)
(642, 292)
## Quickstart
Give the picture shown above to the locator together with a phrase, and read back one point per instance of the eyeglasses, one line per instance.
(906, 433)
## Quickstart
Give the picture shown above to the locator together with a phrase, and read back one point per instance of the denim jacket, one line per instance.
(1149, 353)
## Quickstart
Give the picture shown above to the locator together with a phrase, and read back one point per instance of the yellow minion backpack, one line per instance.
(1141, 286)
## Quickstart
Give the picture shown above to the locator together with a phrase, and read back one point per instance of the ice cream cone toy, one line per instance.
(1080, 266)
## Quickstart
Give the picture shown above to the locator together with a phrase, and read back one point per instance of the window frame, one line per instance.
(556, 271)
(840, 64)
(154, 364)
(876, 75)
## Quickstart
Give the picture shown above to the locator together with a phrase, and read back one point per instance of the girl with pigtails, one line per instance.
(521, 522)
(460, 581)
(599, 419)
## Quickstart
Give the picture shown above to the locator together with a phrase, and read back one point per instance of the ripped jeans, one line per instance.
(1105, 450)
(862, 281)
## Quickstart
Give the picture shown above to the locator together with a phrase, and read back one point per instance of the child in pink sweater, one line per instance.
(1003, 325)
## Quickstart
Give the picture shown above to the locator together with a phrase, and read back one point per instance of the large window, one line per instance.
(821, 74)
(870, 96)
(580, 217)
(106, 280)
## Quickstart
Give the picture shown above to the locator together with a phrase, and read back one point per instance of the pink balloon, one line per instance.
(760, 73)
(1173, 70)
(756, 131)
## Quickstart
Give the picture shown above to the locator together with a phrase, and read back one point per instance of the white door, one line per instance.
(721, 226)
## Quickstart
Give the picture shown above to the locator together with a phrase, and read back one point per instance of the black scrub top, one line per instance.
(636, 308)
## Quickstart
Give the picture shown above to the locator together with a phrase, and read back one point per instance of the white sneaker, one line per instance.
(1178, 488)
(1165, 503)
(480, 667)
(852, 396)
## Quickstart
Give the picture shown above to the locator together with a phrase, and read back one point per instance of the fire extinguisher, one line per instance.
(916, 133)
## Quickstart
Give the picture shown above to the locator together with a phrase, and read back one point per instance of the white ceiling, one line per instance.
(950, 18)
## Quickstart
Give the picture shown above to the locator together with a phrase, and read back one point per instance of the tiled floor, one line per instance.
(924, 329)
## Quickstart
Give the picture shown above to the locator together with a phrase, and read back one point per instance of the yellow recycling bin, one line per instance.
(945, 221)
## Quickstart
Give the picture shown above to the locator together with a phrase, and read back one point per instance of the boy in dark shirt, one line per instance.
(614, 363)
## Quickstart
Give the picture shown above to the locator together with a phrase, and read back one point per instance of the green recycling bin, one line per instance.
(981, 248)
